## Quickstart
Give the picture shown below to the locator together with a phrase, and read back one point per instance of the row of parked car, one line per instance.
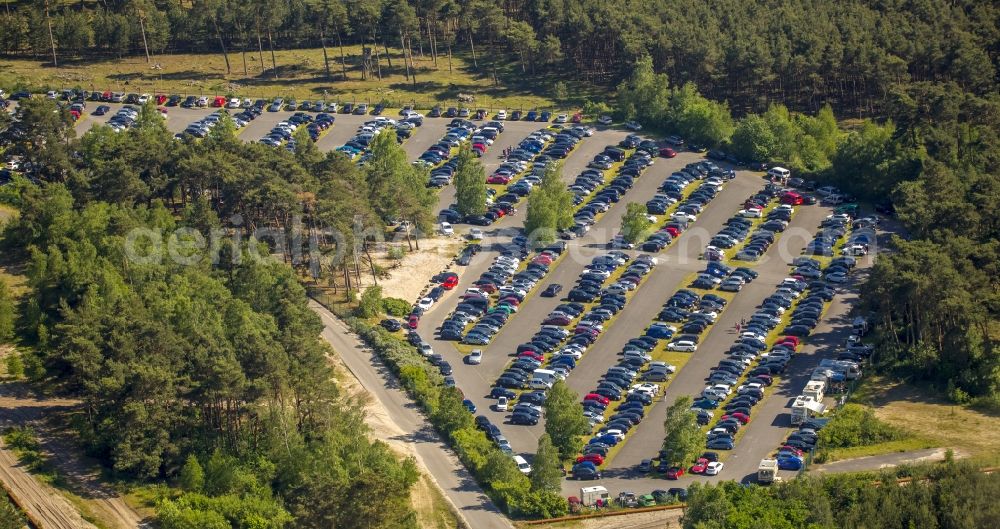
(671, 193)
(511, 287)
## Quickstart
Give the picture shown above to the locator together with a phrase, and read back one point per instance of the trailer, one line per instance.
(767, 471)
(805, 408)
(594, 496)
(815, 389)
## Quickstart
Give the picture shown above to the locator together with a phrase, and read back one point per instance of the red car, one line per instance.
(791, 449)
(675, 472)
(450, 281)
(510, 300)
(674, 232)
(791, 198)
(498, 179)
(531, 354)
(219, 101)
(739, 416)
(699, 466)
(413, 321)
(667, 152)
(578, 117)
(557, 320)
(596, 459)
(794, 340)
(160, 99)
(599, 398)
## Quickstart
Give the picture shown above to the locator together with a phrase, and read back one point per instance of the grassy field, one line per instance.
(302, 74)
(930, 417)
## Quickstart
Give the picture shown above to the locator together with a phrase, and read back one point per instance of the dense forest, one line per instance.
(947, 496)
(802, 53)
(203, 368)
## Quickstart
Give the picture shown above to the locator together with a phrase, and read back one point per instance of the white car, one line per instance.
(501, 404)
(604, 120)
(475, 357)
(682, 216)
(751, 213)
(633, 125)
(143, 99)
(426, 349)
(476, 234)
(502, 114)
(561, 118)
(522, 465)
(425, 303)
(446, 229)
(234, 102)
(682, 345)
(855, 250)
(713, 468)
(651, 389)
(618, 434)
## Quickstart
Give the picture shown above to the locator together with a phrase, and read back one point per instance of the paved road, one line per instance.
(443, 466)
(771, 419)
(862, 464)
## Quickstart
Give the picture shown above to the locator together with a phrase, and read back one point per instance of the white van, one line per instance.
(522, 465)
(779, 173)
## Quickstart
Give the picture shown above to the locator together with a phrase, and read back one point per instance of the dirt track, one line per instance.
(46, 506)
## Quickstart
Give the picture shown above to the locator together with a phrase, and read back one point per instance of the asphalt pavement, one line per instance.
(439, 461)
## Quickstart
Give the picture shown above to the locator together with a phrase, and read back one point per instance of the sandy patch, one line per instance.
(410, 277)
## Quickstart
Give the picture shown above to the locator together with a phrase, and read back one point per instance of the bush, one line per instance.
(493, 469)
(396, 307)
(371, 302)
(856, 425)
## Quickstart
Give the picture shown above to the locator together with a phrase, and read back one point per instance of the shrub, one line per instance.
(396, 307)
(856, 425)
(493, 469)
(371, 302)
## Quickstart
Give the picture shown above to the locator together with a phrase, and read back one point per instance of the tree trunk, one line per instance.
(222, 45)
(52, 40)
(274, 62)
(472, 46)
(343, 60)
(145, 45)
(326, 59)
(260, 49)
(449, 52)
(406, 62)
(430, 36)
(378, 60)
(388, 56)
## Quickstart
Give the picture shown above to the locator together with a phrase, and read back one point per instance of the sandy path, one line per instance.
(20, 406)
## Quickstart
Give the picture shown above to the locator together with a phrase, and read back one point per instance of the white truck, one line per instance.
(805, 408)
(589, 496)
(767, 471)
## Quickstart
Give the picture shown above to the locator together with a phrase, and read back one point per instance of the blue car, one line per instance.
(469, 405)
(723, 443)
(609, 440)
(660, 331)
(705, 404)
(789, 463)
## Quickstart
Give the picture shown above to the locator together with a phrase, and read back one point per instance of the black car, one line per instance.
(552, 290)
(391, 325)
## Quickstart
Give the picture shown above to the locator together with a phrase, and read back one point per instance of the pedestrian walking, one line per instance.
(738, 327)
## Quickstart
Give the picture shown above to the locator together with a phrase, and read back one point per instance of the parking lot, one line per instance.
(677, 264)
